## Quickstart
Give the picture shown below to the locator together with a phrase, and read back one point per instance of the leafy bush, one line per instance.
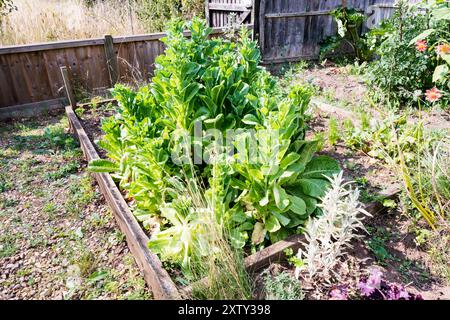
(219, 84)
(403, 72)
(435, 42)
(349, 22)
(282, 286)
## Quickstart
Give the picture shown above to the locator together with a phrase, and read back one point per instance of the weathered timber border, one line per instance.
(32, 109)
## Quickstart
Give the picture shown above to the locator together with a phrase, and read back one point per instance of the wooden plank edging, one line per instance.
(155, 275)
(32, 109)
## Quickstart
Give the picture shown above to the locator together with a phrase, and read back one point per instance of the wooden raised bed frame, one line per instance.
(157, 278)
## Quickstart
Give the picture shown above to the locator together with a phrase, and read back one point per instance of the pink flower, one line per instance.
(433, 95)
(421, 45)
(443, 49)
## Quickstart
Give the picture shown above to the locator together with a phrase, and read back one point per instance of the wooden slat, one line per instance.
(296, 14)
(111, 60)
(31, 110)
(207, 14)
(50, 46)
(227, 7)
(156, 277)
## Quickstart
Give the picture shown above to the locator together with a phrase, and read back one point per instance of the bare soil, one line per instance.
(58, 239)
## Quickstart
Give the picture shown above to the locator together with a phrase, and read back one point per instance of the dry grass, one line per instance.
(53, 20)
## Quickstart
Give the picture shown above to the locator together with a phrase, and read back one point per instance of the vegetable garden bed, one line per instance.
(156, 277)
(221, 212)
(88, 129)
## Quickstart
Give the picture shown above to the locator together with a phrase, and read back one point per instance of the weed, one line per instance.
(350, 165)
(80, 194)
(320, 138)
(8, 203)
(98, 220)
(377, 244)
(63, 171)
(50, 209)
(56, 138)
(8, 244)
(23, 272)
(87, 263)
(333, 132)
(4, 184)
(38, 241)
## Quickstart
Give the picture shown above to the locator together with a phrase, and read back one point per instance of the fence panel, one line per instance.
(291, 30)
(218, 12)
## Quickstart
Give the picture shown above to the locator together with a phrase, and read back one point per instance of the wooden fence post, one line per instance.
(68, 86)
(207, 16)
(111, 60)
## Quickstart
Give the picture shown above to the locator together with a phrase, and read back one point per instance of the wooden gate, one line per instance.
(220, 13)
(290, 30)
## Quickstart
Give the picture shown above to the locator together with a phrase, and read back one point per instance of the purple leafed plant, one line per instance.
(374, 287)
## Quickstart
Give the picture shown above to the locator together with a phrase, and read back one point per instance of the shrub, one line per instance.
(403, 72)
(349, 22)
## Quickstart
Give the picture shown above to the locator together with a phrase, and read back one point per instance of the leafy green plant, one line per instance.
(218, 83)
(349, 22)
(282, 286)
(403, 71)
(377, 244)
(333, 132)
(434, 41)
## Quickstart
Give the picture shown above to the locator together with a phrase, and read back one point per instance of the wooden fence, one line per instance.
(290, 30)
(31, 74)
(218, 13)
